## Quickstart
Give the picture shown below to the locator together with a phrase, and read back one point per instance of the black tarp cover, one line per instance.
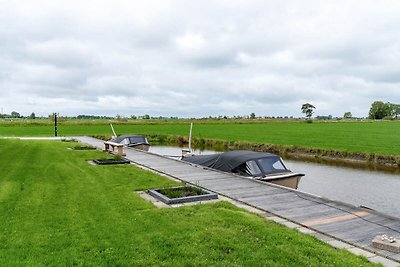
(228, 161)
(133, 139)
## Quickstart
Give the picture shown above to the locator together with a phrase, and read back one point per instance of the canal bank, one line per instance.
(369, 161)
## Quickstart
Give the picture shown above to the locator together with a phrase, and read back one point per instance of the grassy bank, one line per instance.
(380, 138)
(318, 155)
(58, 210)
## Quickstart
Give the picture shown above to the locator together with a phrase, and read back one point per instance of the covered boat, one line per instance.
(259, 165)
(135, 141)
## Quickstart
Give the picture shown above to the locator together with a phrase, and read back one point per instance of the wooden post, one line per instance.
(55, 124)
(106, 147)
(121, 151)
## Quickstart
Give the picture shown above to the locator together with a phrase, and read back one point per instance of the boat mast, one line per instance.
(190, 138)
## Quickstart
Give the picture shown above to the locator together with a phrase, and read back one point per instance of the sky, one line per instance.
(198, 58)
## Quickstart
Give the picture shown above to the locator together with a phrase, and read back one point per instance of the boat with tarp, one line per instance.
(134, 141)
(257, 165)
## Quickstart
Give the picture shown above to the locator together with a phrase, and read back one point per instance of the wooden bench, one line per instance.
(112, 145)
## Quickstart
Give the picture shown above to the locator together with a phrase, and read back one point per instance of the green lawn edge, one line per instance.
(56, 209)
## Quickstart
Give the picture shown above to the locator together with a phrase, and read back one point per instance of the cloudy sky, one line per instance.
(198, 58)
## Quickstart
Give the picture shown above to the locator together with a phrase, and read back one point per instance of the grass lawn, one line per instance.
(379, 137)
(57, 210)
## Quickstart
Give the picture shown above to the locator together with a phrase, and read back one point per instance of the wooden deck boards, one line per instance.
(311, 213)
(326, 216)
(247, 193)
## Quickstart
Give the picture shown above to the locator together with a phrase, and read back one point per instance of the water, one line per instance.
(176, 152)
(377, 190)
(373, 189)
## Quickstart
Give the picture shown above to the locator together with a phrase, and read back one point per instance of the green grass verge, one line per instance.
(57, 210)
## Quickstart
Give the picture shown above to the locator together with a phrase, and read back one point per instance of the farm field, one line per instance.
(379, 137)
(56, 209)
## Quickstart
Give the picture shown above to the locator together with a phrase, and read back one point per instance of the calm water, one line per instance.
(377, 190)
(373, 189)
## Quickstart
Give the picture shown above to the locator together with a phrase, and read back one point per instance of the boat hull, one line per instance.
(291, 181)
(144, 147)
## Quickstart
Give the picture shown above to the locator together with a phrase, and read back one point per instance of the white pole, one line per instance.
(112, 128)
(190, 137)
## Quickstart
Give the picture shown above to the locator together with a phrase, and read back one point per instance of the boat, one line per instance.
(256, 165)
(134, 141)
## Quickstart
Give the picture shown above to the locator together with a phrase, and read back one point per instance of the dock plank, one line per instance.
(312, 213)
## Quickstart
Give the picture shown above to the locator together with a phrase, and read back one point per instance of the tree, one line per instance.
(146, 117)
(252, 115)
(32, 116)
(15, 114)
(347, 115)
(395, 108)
(308, 109)
(379, 110)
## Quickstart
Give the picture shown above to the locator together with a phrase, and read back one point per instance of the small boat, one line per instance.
(134, 141)
(258, 165)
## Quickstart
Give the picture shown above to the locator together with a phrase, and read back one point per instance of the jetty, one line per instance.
(355, 226)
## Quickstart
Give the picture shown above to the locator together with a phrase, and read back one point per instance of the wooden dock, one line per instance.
(341, 221)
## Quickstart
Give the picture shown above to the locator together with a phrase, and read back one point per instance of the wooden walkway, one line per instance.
(344, 222)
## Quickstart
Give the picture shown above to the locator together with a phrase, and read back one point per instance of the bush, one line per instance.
(389, 118)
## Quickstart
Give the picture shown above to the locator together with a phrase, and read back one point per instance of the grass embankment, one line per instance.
(56, 209)
(367, 140)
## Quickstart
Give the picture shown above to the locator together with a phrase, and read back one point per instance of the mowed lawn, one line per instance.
(57, 210)
(379, 137)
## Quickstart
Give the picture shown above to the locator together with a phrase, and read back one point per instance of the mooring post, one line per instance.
(190, 138)
(55, 124)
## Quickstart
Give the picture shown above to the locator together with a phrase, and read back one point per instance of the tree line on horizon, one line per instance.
(378, 110)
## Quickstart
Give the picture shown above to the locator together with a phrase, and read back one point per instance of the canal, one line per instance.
(373, 189)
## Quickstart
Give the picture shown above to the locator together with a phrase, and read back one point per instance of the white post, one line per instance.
(112, 128)
(190, 138)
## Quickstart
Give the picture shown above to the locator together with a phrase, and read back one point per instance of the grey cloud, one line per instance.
(194, 58)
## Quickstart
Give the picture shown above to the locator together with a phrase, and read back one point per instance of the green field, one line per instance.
(58, 210)
(379, 137)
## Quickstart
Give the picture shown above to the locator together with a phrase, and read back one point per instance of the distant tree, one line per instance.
(307, 109)
(146, 117)
(133, 117)
(395, 108)
(15, 114)
(379, 110)
(252, 115)
(347, 115)
(32, 116)
(324, 117)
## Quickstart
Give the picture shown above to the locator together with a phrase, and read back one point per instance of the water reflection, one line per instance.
(373, 189)
(392, 169)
